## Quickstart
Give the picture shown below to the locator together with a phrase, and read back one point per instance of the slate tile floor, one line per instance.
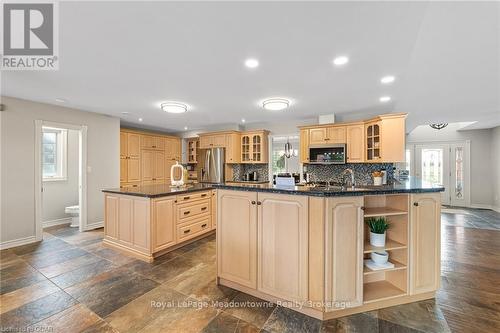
(71, 283)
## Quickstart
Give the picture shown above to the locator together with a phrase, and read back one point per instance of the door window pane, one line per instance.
(432, 165)
(459, 172)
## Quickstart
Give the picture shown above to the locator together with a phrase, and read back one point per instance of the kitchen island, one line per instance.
(304, 247)
(148, 221)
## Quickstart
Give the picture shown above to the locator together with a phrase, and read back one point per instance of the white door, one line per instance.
(445, 164)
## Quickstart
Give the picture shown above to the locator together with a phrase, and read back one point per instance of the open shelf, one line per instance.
(397, 266)
(380, 290)
(389, 245)
(383, 211)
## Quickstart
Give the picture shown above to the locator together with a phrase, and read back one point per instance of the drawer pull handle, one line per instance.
(186, 231)
(203, 195)
(203, 208)
(203, 225)
(186, 198)
(186, 212)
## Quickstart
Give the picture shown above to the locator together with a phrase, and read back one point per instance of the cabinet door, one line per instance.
(147, 141)
(337, 135)
(133, 145)
(111, 216)
(256, 148)
(344, 252)
(123, 169)
(219, 140)
(159, 166)
(237, 237)
(283, 246)
(245, 149)
(133, 170)
(164, 225)
(233, 148)
(355, 143)
(176, 143)
(206, 141)
(318, 136)
(147, 165)
(425, 242)
(159, 142)
(123, 145)
(304, 146)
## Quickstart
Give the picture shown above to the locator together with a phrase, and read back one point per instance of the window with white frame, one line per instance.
(54, 152)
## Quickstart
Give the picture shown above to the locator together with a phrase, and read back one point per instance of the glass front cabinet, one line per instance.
(254, 147)
(373, 144)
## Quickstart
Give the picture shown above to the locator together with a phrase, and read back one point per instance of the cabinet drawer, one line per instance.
(192, 197)
(193, 229)
(188, 210)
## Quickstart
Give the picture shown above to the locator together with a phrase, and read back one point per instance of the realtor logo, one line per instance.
(29, 39)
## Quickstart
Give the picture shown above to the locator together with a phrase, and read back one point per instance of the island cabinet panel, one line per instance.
(282, 245)
(344, 253)
(214, 209)
(237, 237)
(125, 216)
(164, 224)
(425, 260)
(140, 225)
(111, 219)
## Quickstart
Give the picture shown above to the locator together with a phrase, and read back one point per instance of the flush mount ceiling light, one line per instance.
(252, 63)
(140, 119)
(60, 100)
(174, 107)
(384, 99)
(439, 126)
(185, 128)
(339, 61)
(275, 104)
(243, 120)
(387, 79)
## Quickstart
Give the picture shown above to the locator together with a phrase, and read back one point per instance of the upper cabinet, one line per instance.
(173, 149)
(212, 140)
(377, 140)
(254, 147)
(192, 146)
(233, 148)
(152, 142)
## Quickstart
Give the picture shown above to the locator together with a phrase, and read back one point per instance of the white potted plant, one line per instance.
(378, 227)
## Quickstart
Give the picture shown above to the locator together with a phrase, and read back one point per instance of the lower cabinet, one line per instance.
(344, 253)
(237, 237)
(283, 245)
(425, 255)
(164, 226)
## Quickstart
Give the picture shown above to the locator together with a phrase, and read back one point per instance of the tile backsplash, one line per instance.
(362, 172)
(240, 169)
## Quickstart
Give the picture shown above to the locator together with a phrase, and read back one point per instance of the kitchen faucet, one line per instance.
(352, 177)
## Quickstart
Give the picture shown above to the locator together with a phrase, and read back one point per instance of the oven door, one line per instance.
(333, 154)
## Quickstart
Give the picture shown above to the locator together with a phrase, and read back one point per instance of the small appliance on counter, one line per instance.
(295, 176)
(179, 182)
(251, 176)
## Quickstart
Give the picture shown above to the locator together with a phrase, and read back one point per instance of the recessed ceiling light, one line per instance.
(174, 107)
(60, 100)
(275, 104)
(185, 128)
(387, 79)
(252, 63)
(384, 99)
(140, 119)
(339, 61)
(243, 120)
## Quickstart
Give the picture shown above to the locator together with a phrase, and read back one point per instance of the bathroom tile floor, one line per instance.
(71, 283)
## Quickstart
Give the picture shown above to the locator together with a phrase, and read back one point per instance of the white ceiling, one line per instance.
(130, 56)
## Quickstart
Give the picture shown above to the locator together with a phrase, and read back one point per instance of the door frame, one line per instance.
(411, 145)
(82, 173)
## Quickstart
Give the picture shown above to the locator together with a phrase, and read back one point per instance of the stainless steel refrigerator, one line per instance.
(213, 170)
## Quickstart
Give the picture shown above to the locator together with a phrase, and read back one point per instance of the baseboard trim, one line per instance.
(52, 223)
(17, 242)
(95, 225)
(481, 206)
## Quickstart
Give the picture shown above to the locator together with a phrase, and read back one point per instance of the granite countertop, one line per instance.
(412, 185)
(248, 181)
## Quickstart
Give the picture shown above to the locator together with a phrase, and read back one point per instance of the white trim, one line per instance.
(95, 225)
(82, 176)
(52, 223)
(38, 180)
(17, 242)
(484, 206)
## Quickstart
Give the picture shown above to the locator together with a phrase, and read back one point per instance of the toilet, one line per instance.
(74, 212)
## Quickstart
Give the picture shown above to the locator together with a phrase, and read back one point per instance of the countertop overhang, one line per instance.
(412, 185)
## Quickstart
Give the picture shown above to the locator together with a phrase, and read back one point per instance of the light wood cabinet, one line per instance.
(152, 142)
(129, 157)
(283, 245)
(254, 147)
(425, 255)
(355, 143)
(327, 135)
(173, 149)
(212, 140)
(337, 134)
(304, 146)
(318, 136)
(233, 148)
(344, 252)
(164, 223)
(214, 209)
(152, 166)
(386, 139)
(192, 147)
(237, 237)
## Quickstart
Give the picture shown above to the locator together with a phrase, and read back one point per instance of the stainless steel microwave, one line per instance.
(331, 154)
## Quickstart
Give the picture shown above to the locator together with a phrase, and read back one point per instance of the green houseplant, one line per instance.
(378, 227)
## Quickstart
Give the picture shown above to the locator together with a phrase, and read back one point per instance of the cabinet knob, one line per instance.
(259, 203)
(363, 208)
(187, 231)
(415, 204)
(253, 202)
(204, 225)
(203, 208)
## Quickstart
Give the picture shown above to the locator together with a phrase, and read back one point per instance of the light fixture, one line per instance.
(185, 128)
(140, 119)
(252, 63)
(385, 99)
(60, 100)
(288, 149)
(275, 104)
(339, 61)
(174, 107)
(243, 120)
(387, 79)
(439, 126)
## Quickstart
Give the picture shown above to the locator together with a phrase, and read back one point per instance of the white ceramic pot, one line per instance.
(377, 181)
(379, 258)
(377, 240)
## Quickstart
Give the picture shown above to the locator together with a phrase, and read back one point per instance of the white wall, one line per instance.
(59, 194)
(495, 163)
(481, 165)
(18, 169)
